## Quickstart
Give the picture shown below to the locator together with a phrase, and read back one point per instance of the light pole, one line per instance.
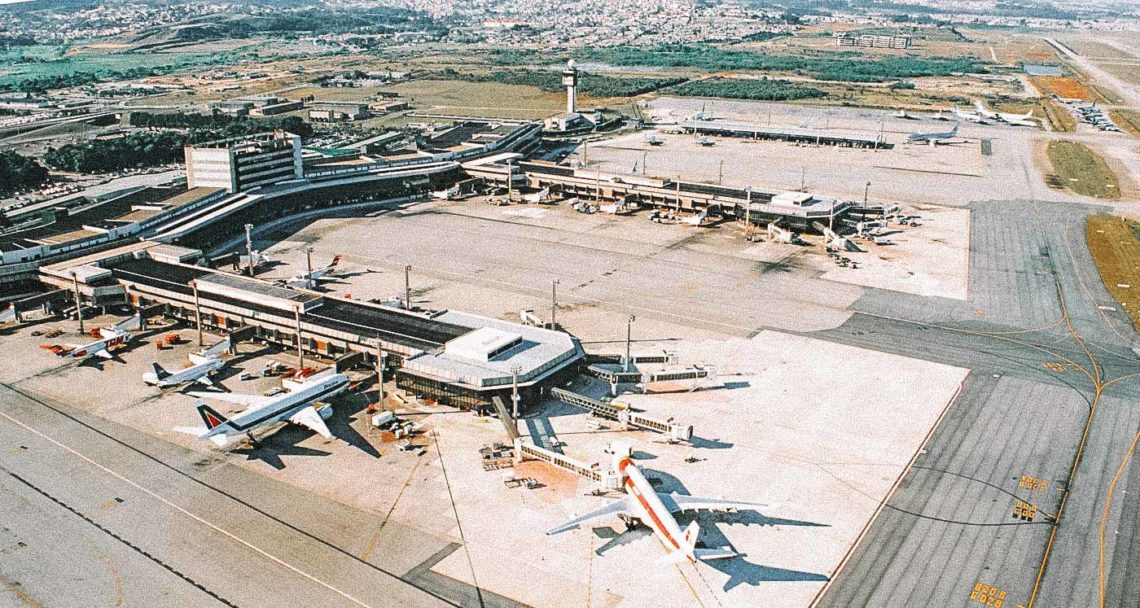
(408, 287)
(515, 392)
(720, 174)
(866, 191)
(197, 312)
(380, 372)
(78, 300)
(309, 268)
(644, 158)
(249, 249)
(803, 175)
(628, 340)
(553, 303)
(748, 208)
(300, 351)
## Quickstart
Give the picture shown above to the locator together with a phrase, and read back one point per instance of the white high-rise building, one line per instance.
(241, 163)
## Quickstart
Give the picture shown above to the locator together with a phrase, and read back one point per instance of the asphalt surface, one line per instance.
(1043, 354)
(94, 512)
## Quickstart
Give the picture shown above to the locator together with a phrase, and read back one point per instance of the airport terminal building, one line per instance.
(454, 358)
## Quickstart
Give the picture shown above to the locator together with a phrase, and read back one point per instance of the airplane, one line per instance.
(933, 137)
(9, 314)
(780, 235)
(656, 509)
(258, 258)
(984, 113)
(706, 141)
(652, 140)
(834, 241)
(310, 280)
(446, 195)
(299, 405)
(537, 197)
(970, 116)
(696, 219)
(940, 116)
(702, 115)
(1019, 120)
(202, 365)
(902, 114)
(109, 337)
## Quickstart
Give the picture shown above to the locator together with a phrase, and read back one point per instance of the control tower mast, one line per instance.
(570, 81)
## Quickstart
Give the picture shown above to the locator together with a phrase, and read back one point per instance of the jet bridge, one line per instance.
(509, 423)
(625, 415)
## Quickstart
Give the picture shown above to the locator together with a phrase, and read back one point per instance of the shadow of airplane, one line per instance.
(709, 444)
(282, 443)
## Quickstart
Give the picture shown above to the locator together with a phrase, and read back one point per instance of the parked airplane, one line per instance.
(984, 113)
(969, 116)
(202, 365)
(696, 219)
(940, 116)
(656, 509)
(9, 314)
(781, 235)
(902, 114)
(312, 279)
(298, 405)
(933, 137)
(258, 258)
(1019, 120)
(834, 241)
(537, 197)
(706, 141)
(109, 338)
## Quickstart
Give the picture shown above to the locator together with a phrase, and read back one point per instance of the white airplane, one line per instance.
(940, 116)
(258, 258)
(780, 235)
(902, 114)
(299, 405)
(537, 197)
(109, 338)
(833, 240)
(202, 364)
(656, 509)
(706, 141)
(970, 116)
(9, 314)
(697, 219)
(1019, 120)
(312, 279)
(933, 137)
(652, 140)
(984, 113)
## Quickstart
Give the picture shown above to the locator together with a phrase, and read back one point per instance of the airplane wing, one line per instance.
(204, 380)
(679, 502)
(103, 353)
(618, 507)
(309, 417)
(250, 401)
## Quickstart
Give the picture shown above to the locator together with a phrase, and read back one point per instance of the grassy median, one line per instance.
(1115, 246)
(1081, 170)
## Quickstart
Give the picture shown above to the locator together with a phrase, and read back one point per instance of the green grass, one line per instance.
(1082, 170)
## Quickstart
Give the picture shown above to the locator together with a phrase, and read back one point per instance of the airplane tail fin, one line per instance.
(159, 372)
(335, 261)
(211, 417)
(691, 533)
(132, 323)
(56, 349)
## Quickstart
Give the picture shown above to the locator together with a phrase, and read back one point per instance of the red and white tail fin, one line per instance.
(689, 537)
(210, 416)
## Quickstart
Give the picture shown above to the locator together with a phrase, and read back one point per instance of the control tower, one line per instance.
(570, 81)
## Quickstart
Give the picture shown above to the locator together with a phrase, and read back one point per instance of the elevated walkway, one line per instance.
(626, 416)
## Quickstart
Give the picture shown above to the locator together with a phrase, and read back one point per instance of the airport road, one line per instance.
(107, 512)
(1044, 354)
